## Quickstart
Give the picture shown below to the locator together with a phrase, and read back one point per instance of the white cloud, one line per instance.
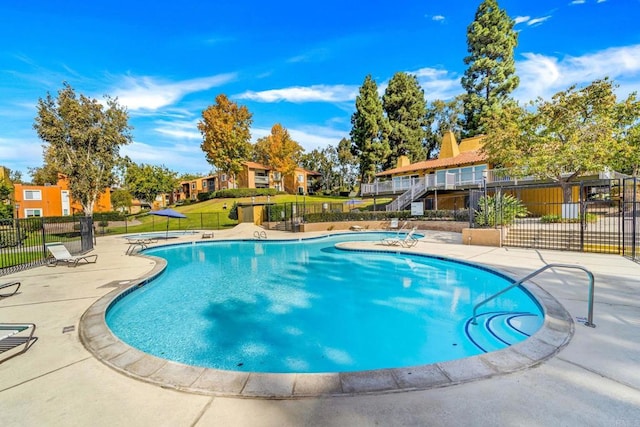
(438, 83)
(148, 93)
(438, 18)
(537, 21)
(299, 94)
(521, 19)
(18, 154)
(577, 2)
(542, 75)
(178, 157)
(179, 129)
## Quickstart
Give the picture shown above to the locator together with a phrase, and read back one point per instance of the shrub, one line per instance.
(233, 212)
(501, 209)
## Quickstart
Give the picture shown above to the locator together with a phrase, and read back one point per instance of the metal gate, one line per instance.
(631, 218)
(590, 221)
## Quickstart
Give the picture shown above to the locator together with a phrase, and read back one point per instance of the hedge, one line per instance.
(450, 215)
(237, 193)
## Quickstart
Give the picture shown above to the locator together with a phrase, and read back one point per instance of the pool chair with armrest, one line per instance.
(10, 337)
(394, 224)
(61, 254)
(406, 241)
(9, 285)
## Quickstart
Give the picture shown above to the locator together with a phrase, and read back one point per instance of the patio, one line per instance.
(593, 381)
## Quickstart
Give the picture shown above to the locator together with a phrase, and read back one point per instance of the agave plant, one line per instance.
(501, 209)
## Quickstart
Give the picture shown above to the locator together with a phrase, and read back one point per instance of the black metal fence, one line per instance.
(289, 216)
(631, 218)
(23, 241)
(193, 221)
(585, 217)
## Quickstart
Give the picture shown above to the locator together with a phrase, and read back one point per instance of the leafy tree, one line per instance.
(559, 140)
(146, 182)
(628, 133)
(15, 177)
(279, 150)
(45, 174)
(6, 205)
(369, 131)
(346, 164)
(188, 177)
(442, 116)
(226, 135)
(84, 139)
(405, 106)
(316, 160)
(490, 77)
(121, 199)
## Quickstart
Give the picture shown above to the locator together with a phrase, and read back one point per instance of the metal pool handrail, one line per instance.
(589, 321)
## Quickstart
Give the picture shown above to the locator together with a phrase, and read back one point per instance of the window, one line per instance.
(193, 185)
(223, 177)
(32, 195)
(204, 183)
(32, 212)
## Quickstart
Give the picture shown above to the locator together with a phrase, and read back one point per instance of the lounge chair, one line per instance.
(207, 234)
(8, 285)
(394, 224)
(61, 254)
(10, 337)
(406, 241)
(138, 243)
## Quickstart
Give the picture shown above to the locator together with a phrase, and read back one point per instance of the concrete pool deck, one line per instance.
(594, 380)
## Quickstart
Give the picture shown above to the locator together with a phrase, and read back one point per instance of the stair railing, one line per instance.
(589, 321)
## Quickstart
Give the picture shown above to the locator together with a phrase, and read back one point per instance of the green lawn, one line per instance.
(211, 214)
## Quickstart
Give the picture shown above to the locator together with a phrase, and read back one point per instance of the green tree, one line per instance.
(346, 164)
(83, 138)
(442, 116)
(45, 174)
(369, 131)
(490, 77)
(628, 133)
(6, 204)
(559, 140)
(121, 200)
(278, 150)
(146, 182)
(225, 129)
(403, 102)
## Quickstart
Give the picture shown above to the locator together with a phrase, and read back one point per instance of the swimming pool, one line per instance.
(306, 306)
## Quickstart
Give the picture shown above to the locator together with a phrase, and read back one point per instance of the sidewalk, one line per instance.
(594, 381)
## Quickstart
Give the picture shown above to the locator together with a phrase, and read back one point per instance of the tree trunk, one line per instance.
(567, 194)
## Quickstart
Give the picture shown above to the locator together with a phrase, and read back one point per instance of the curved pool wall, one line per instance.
(555, 333)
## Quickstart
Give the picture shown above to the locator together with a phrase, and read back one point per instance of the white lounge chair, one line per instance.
(61, 254)
(407, 241)
(394, 224)
(10, 337)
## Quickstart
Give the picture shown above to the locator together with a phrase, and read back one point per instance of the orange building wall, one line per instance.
(51, 200)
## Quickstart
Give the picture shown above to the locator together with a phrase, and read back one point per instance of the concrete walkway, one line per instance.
(594, 381)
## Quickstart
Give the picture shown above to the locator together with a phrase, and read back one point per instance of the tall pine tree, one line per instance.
(404, 103)
(490, 77)
(369, 131)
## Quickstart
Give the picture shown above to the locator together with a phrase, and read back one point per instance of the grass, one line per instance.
(211, 214)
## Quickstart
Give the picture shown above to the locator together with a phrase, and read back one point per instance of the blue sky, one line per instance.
(295, 63)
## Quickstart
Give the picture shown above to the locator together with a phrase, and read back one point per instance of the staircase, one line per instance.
(408, 196)
(500, 329)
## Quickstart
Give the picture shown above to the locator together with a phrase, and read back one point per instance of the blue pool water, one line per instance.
(306, 306)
